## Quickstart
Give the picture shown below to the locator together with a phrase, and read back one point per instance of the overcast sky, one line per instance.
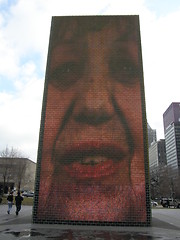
(24, 39)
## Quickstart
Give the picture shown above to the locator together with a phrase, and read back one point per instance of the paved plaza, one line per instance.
(165, 225)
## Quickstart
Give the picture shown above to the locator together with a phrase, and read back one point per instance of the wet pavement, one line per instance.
(165, 225)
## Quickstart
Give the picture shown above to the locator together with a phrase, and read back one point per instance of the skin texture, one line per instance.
(93, 151)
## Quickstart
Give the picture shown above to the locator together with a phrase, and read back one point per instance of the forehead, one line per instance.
(73, 29)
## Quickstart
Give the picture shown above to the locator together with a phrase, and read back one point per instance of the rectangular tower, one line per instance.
(93, 150)
(171, 118)
(157, 155)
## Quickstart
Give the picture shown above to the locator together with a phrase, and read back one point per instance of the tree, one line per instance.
(160, 183)
(21, 169)
(176, 187)
(8, 169)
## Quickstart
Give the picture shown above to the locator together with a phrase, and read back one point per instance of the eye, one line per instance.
(66, 74)
(125, 71)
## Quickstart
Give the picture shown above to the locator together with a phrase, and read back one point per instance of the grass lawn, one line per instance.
(27, 201)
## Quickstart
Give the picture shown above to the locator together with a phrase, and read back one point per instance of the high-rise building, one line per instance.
(162, 152)
(157, 155)
(151, 135)
(171, 118)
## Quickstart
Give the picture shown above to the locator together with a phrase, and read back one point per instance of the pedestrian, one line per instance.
(18, 200)
(168, 203)
(10, 199)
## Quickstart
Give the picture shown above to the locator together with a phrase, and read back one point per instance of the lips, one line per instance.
(92, 159)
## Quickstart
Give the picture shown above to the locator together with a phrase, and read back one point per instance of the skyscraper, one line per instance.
(151, 135)
(157, 155)
(171, 119)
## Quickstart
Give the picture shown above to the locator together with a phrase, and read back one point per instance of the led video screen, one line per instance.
(92, 158)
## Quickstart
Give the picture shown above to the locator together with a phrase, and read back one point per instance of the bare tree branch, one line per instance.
(11, 169)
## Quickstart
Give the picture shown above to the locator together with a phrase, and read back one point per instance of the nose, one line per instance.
(94, 105)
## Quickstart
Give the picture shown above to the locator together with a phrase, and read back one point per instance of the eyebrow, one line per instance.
(71, 43)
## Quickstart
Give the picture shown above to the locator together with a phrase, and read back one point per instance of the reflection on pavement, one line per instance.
(80, 235)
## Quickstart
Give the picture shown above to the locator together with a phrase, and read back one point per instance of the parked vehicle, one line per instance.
(154, 204)
(28, 194)
(170, 202)
(176, 204)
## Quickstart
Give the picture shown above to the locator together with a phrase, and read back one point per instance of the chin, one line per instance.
(93, 203)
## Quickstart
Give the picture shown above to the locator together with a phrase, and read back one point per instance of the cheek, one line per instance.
(131, 105)
(57, 105)
(129, 102)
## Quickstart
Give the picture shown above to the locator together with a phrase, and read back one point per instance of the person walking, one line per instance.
(10, 199)
(18, 200)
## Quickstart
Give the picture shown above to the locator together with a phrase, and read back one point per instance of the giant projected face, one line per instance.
(92, 157)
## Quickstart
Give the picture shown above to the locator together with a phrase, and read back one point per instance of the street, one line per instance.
(170, 216)
(23, 217)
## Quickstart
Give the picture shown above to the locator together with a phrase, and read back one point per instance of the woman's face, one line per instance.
(95, 117)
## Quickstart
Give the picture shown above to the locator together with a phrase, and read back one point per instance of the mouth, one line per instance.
(92, 160)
